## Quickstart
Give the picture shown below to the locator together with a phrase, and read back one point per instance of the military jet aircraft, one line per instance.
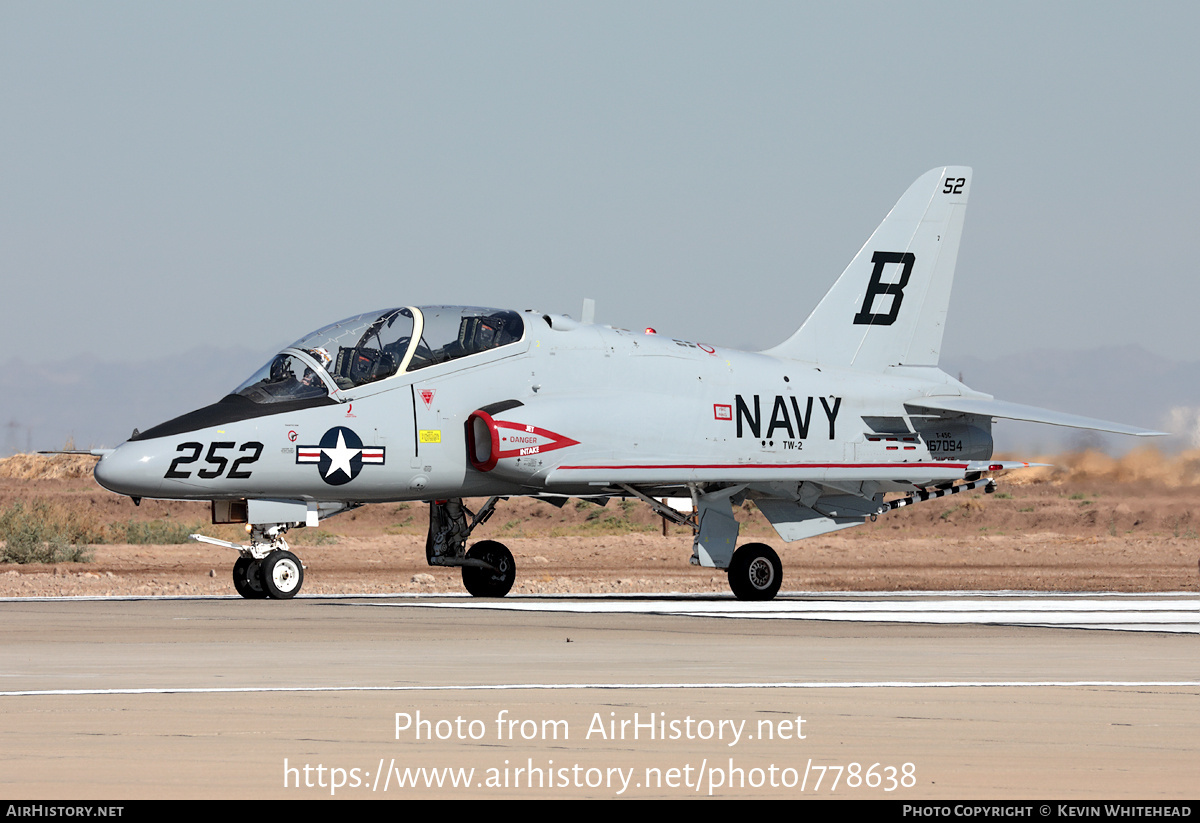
(442, 403)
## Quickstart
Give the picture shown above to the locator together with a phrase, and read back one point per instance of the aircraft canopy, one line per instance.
(374, 346)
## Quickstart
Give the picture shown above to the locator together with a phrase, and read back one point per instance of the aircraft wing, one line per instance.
(990, 407)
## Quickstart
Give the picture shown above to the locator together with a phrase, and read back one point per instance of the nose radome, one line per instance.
(106, 472)
(125, 471)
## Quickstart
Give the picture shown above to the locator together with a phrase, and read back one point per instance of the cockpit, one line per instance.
(370, 347)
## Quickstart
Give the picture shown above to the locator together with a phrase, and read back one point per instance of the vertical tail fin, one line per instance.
(889, 306)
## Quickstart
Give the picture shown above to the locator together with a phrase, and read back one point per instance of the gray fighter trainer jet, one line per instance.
(442, 403)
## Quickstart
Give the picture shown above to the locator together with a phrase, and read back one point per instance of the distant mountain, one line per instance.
(98, 404)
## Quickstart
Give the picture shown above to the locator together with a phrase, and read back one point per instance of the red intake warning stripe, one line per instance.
(539, 440)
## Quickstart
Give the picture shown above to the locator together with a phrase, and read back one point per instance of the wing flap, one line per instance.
(795, 521)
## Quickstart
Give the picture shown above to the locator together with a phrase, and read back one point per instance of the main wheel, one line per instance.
(282, 574)
(486, 582)
(247, 578)
(755, 572)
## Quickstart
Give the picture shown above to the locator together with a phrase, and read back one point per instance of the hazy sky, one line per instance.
(237, 174)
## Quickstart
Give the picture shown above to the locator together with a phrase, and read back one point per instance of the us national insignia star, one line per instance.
(340, 455)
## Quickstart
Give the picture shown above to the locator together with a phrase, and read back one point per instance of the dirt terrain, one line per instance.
(1093, 523)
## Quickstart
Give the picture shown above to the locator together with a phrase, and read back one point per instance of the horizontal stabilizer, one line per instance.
(989, 407)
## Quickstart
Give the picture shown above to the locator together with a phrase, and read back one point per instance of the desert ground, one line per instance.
(1091, 523)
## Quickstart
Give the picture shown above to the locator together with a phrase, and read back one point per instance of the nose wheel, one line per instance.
(279, 576)
(282, 575)
(247, 578)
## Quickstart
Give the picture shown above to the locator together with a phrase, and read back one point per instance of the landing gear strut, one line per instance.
(488, 569)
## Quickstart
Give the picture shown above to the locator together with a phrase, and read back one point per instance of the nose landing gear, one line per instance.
(265, 568)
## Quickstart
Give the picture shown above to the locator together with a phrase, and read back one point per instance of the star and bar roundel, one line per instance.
(340, 455)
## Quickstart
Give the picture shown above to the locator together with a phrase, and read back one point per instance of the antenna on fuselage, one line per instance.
(588, 315)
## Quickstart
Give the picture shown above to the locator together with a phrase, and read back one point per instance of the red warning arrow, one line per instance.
(518, 440)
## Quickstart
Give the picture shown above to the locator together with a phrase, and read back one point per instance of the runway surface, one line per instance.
(906, 697)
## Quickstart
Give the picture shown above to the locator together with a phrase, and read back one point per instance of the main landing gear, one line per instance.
(488, 569)
(754, 570)
(265, 568)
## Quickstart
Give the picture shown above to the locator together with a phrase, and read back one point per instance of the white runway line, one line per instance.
(894, 684)
(1173, 612)
(614, 596)
(1176, 614)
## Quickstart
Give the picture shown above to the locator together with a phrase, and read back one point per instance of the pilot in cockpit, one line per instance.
(311, 380)
(321, 355)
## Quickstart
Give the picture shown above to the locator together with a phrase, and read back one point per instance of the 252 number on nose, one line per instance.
(216, 462)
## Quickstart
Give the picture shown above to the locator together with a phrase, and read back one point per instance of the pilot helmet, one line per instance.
(321, 355)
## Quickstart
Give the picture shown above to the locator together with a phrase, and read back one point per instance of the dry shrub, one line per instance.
(153, 533)
(45, 533)
(47, 466)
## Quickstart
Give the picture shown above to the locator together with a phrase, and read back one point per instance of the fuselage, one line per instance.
(567, 408)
